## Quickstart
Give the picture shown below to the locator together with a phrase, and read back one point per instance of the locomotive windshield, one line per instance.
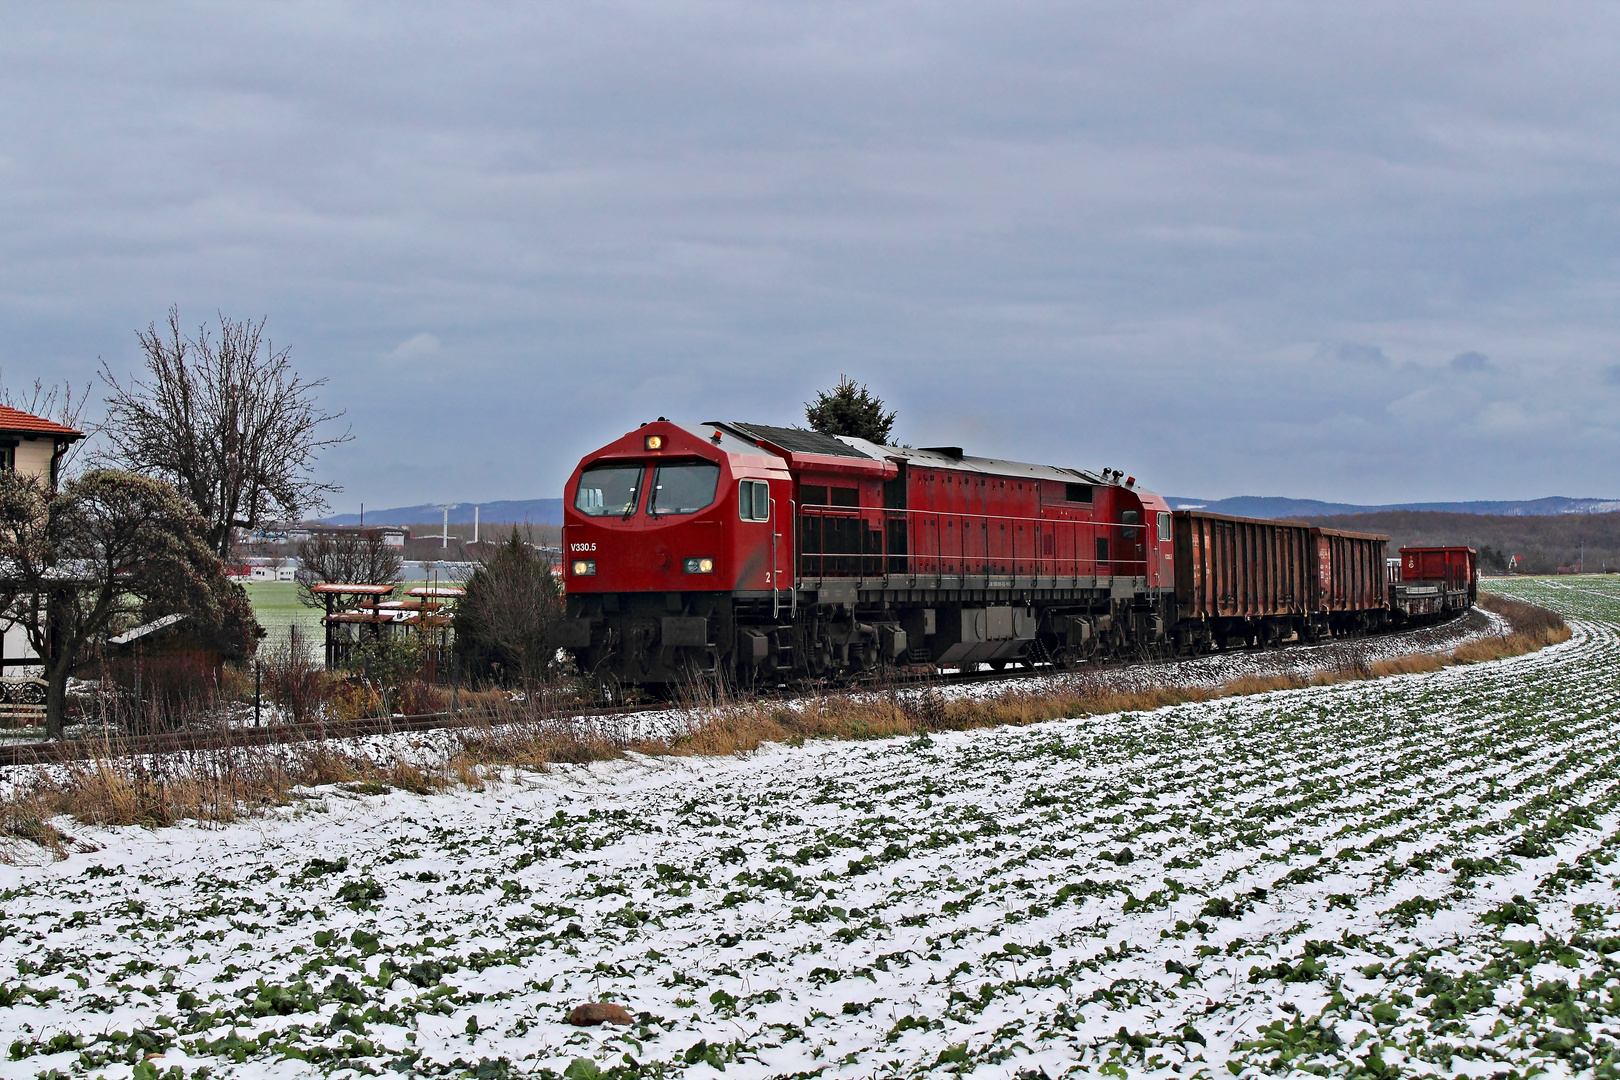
(608, 489)
(682, 489)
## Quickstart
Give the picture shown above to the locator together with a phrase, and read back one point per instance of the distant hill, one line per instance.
(531, 511)
(1268, 506)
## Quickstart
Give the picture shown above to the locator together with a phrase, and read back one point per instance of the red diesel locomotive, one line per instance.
(765, 553)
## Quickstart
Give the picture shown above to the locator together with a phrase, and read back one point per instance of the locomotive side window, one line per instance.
(682, 489)
(846, 496)
(813, 495)
(754, 500)
(609, 489)
(1080, 493)
(1164, 527)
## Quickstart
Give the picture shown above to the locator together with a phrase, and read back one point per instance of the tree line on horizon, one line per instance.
(1545, 543)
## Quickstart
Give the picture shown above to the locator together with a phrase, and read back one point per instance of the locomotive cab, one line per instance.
(663, 530)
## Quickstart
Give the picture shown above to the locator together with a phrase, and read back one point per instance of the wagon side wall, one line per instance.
(1350, 571)
(1228, 567)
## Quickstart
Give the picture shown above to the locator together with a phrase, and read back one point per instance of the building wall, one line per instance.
(391, 536)
(34, 456)
(16, 646)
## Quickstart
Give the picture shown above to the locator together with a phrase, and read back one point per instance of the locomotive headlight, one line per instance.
(655, 442)
(698, 566)
(584, 567)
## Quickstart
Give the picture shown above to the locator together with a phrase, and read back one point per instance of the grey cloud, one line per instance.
(1006, 219)
(1611, 375)
(1469, 362)
(1351, 352)
(422, 346)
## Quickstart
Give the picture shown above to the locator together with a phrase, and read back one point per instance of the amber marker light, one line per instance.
(655, 442)
(698, 566)
(584, 567)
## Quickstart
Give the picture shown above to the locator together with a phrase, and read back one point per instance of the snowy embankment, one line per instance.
(1347, 656)
(1411, 872)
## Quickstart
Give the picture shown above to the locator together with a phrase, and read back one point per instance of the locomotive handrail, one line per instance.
(776, 599)
(879, 522)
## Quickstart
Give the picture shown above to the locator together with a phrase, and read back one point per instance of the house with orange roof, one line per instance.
(34, 446)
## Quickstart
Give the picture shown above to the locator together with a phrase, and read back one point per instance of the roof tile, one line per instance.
(17, 420)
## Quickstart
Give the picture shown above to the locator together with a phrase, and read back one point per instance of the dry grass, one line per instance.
(1531, 628)
(742, 727)
(212, 786)
(223, 785)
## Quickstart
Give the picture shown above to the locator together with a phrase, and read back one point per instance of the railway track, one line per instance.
(197, 741)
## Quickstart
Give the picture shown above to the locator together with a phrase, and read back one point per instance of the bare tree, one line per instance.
(362, 557)
(108, 548)
(226, 421)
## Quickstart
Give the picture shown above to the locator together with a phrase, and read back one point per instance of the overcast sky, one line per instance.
(1356, 252)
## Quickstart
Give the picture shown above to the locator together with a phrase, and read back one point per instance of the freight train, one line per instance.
(765, 554)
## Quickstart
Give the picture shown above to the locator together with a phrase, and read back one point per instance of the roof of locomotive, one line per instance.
(729, 442)
(941, 458)
(803, 441)
(800, 441)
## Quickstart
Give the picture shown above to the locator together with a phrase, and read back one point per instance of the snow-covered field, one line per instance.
(1412, 874)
